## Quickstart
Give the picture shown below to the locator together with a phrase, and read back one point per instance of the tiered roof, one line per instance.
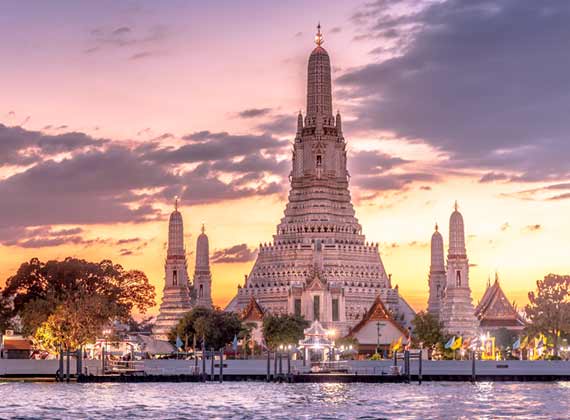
(495, 310)
(253, 311)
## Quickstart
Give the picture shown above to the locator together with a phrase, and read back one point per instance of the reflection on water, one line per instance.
(260, 400)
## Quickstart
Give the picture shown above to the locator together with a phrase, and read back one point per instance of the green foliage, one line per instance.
(346, 342)
(283, 329)
(375, 356)
(215, 326)
(504, 338)
(5, 315)
(427, 329)
(549, 308)
(69, 302)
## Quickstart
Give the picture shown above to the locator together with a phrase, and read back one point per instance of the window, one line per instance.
(298, 307)
(335, 316)
(316, 307)
(201, 292)
(175, 277)
(458, 278)
(319, 160)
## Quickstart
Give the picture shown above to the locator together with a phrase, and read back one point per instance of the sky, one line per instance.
(108, 110)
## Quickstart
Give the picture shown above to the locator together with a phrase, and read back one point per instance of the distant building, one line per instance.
(457, 312)
(176, 293)
(15, 346)
(494, 311)
(202, 275)
(319, 264)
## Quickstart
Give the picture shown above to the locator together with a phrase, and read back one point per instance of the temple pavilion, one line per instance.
(495, 311)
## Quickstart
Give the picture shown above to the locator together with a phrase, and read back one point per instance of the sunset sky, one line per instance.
(110, 109)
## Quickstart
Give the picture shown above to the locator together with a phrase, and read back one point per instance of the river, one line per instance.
(449, 400)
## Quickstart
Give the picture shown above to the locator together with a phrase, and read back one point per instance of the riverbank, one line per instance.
(257, 370)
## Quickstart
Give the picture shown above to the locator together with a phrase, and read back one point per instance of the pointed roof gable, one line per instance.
(316, 283)
(495, 308)
(253, 311)
(377, 312)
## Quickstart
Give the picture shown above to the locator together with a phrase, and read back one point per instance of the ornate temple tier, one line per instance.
(319, 264)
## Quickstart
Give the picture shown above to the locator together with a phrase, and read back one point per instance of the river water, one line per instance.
(447, 400)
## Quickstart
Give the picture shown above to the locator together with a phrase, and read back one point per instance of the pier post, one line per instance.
(268, 365)
(60, 372)
(288, 363)
(407, 364)
(473, 372)
(212, 356)
(79, 362)
(67, 362)
(395, 358)
(280, 364)
(203, 362)
(275, 366)
(221, 365)
(420, 368)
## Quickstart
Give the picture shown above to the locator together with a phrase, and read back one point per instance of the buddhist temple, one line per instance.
(437, 276)
(319, 264)
(176, 293)
(378, 330)
(494, 311)
(457, 313)
(202, 275)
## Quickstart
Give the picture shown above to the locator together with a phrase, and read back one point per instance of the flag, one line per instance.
(457, 343)
(235, 343)
(450, 342)
(517, 344)
(179, 342)
(475, 343)
(524, 343)
(398, 344)
(540, 343)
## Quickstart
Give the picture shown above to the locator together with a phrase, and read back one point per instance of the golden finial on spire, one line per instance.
(176, 203)
(436, 227)
(203, 228)
(456, 206)
(319, 37)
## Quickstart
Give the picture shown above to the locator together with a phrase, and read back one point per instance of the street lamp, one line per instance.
(378, 326)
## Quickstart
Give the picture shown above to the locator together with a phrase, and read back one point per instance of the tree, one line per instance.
(69, 302)
(549, 308)
(215, 326)
(283, 329)
(5, 315)
(427, 329)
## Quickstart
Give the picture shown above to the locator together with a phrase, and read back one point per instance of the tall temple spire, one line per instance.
(175, 232)
(436, 279)
(202, 274)
(319, 253)
(456, 233)
(319, 91)
(176, 292)
(457, 312)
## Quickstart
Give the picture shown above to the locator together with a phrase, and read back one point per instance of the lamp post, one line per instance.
(378, 326)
